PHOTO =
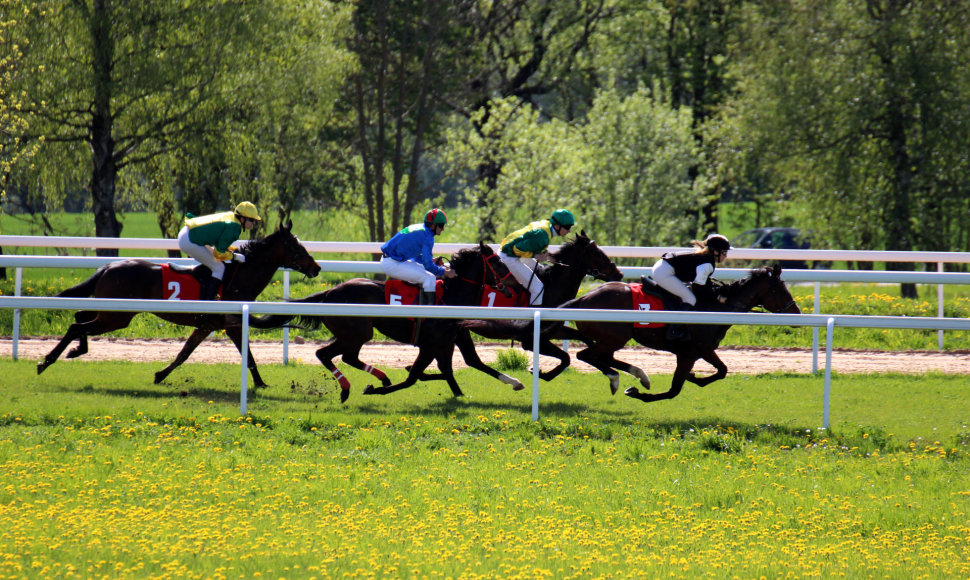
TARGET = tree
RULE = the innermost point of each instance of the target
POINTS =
(861, 109)
(127, 80)
(411, 54)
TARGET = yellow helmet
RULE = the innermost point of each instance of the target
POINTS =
(248, 210)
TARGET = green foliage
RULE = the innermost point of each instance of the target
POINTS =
(511, 359)
(624, 170)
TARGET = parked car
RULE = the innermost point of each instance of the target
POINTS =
(776, 238)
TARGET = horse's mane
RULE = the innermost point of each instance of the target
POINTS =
(566, 251)
(462, 257)
(731, 289)
(257, 245)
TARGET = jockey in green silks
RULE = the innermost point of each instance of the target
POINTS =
(523, 249)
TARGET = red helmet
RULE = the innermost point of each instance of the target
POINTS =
(436, 217)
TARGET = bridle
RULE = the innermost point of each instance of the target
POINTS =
(489, 268)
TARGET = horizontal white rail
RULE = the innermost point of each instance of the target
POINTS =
(368, 267)
(449, 248)
(537, 315)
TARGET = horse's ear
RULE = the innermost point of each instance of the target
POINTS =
(582, 234)
(485, 249)
(776, 271)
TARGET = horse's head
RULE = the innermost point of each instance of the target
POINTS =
(288, 252)
(772, 293)
(583, 253)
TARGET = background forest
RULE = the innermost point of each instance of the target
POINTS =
(850, 118)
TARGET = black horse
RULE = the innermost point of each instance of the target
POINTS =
(571, 263)
(476, 267)
(134, 279)
(763, 287)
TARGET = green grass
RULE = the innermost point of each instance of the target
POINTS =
(126, 479)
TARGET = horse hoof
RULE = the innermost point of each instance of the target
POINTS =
(631, 392)
(345, 394)
(159, 377)
(518, 387)
(41, 367)
(368, 390)
(73, 353)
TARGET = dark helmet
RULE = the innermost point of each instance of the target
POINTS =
(435, 217)
(562, 217)
(717, 243)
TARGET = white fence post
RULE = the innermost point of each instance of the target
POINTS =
(286, 329)
(939, 309)
(244, 382)
(18, 277)
(829, 331)
(818, 294)
(536, 317)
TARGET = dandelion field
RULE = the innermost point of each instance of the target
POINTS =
(103, 474)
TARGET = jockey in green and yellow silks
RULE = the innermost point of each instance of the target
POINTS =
(208, 239)
(523, 249)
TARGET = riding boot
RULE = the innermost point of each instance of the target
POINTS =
(209, 288)
(679, 332)
(424, 299)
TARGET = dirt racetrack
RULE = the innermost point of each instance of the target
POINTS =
(738, 360)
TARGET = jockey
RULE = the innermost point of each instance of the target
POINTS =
(208, 239)
(676, 271)
(407, 255)
(523, 249)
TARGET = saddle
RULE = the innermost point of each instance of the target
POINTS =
(667, 300)
(183, 282)
(401, 293)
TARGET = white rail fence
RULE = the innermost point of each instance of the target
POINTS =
(829, 322)
(940, 278)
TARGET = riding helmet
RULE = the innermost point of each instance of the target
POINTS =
(562, 217)
(717, 243)
(247, 210)
(436, 217)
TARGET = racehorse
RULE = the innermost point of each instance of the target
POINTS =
(571, 263)
(762, 287)
(476, 267)
(134, 279)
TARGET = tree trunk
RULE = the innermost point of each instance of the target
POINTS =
(104, 171)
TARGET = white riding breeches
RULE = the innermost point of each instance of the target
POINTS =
(663, 275)
(201, 253)
(409, 271)
(523, 270)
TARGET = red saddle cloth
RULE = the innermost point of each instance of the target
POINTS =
(178, 285)
(493, 297)
(643, 301)
(399, 292)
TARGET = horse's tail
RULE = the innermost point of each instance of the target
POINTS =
(303, 321)
(84, 289)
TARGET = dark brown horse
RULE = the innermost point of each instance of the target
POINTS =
(138, 279)
(763, 287)
(475, 267)
(571, 263)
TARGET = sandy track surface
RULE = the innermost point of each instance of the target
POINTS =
(738, 360)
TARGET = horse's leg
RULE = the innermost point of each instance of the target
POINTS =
(103, 322)
(599, 360)
(547, 348)
(425, 356)
(235, 335)
(466, 346)
(685, 362)
(195, 339)
(325, 355)
(353, 359)
(719, 367)
(82, 341)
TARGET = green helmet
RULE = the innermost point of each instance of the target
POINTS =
(436, 217)
(562, 217)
